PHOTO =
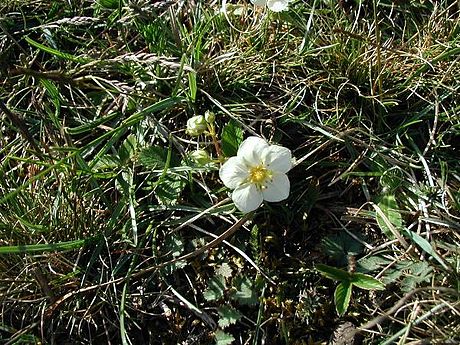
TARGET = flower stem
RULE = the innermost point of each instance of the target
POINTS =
(215, 141)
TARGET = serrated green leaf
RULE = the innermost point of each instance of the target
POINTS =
(232, 137)
(153, 157)
(169, 189)
(228, 316)
(223, 338)
(420, 268)
(342, 297)
(391, 275)
(156, 157)
(415, 272)
(244, 293)
(216, 287)
(371, 263)
(333, 273)
(366, 282)
(389, 207)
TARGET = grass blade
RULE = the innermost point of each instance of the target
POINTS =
(49, 247)
(57, 53)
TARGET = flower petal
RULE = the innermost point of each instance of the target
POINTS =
(277, 158)
(233, 173)
(251, 150)
(277, 5)
(247, 198)
(277, 189)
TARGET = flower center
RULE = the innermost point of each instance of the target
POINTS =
(258, 174)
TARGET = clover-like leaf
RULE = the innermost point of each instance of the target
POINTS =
(216, 287)
(153, 157)
(228, 316)
(223, 338)
(244, 293)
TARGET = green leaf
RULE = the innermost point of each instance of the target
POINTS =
(371, 263)
(426, 246)
(244, 293)
(153, 157)
(216, 287)
(53, 92)
(169, 189)
(223, 338)
(392, 275)
(128, 149)
(333, 273)
(342, 297)
(389, 207)
(232, 137)
(419, 272)
(228, 316)
(366, 282)
(156, 157)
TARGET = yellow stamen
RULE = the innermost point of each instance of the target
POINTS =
(258, 174)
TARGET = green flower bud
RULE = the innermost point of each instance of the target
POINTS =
(209, 116)
(200, 157)
(196, 125)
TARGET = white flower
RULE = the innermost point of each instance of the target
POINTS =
(257, 173)
(273, 5)
(196, 125)
(278, 5)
